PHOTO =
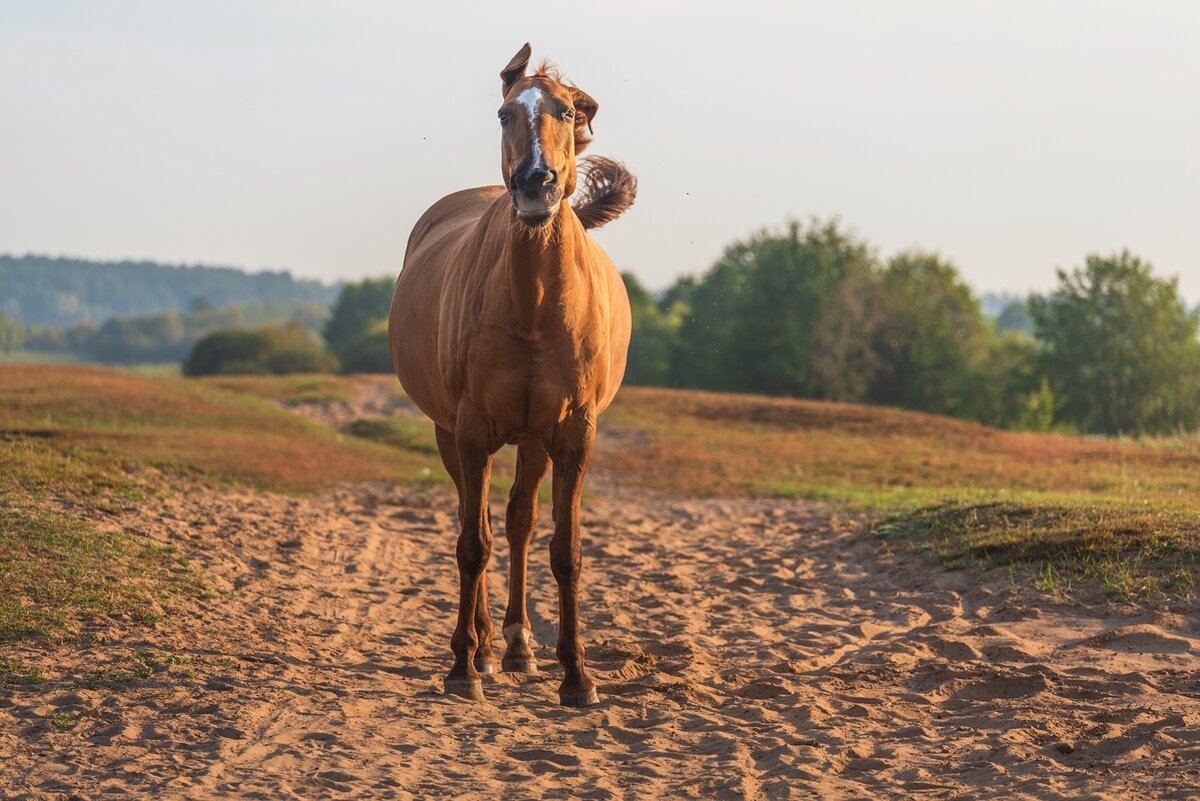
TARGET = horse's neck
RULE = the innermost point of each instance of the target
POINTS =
(541, 271)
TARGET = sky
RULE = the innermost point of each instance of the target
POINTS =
(1010, 137)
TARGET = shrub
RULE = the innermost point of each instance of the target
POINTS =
(267, 350)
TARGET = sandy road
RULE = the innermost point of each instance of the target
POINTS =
(754, 649)
(745, 649)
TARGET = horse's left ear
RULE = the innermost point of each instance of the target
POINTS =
(585, 112)
(515, 69)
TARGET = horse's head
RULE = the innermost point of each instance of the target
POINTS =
(545, 123)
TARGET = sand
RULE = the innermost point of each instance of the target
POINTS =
(748, 649)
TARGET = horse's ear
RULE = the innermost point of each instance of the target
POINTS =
(585, 112)
(515, 69)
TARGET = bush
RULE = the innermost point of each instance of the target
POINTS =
(276, 350)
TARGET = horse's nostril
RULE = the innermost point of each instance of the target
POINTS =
(539, 177)
(534, 180)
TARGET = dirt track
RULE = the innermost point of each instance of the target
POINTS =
(744, 649)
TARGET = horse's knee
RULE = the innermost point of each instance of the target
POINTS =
(465, 639)
(473, 551)
(565, 561)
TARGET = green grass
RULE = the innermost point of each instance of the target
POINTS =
(37, 357)
(15, 672)
(57, 570)
(1132, 553)
(407, 433)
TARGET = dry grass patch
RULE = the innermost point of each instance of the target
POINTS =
(191, 427)
(80, 446)
(717, 444)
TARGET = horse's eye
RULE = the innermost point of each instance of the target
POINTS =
(503, 117)
(569, 114)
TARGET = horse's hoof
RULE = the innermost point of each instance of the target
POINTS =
(519, 665)
(471, 689)
(487, 667)
(590, 698)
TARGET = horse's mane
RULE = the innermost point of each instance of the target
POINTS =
(605, 190)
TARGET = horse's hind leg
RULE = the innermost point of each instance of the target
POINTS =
(484, 659)
(520, 520)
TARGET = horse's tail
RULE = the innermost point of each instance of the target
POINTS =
(606, 189)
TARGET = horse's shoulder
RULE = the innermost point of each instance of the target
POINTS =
(456, 208)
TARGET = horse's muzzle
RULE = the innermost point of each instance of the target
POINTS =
(539, 209)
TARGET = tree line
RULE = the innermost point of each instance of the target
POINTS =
(57, 292)
(810, 311)
(807, 311)
(150, 338)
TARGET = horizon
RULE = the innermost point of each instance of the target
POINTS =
(272, 136)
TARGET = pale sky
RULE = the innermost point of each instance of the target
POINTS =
(1012, 137)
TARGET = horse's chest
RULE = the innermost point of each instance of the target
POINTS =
(527, 384)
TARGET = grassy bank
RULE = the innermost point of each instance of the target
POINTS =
(1066, 510)
(81, 446)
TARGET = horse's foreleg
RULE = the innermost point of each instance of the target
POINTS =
(474, 549)
(572, 451)
(520, 519)
(485, 661)
(485, 658)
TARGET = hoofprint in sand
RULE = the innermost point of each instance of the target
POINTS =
(744, 649)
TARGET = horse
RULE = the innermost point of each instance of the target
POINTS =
(510, 325)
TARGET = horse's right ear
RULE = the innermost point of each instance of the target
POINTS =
(515, 69)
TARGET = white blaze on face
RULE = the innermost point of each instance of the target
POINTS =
(531, 99)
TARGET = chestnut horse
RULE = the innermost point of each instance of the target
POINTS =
(509, 324)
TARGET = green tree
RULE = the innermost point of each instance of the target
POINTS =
(707, 356)
(1120, 348)
(765, 317)
(655, 336)
(932, 339)
(352, 331)
(1010, 390)
(369, 353)
(131, 340)
(1015, 317)
(844, 360)
(12, 333)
